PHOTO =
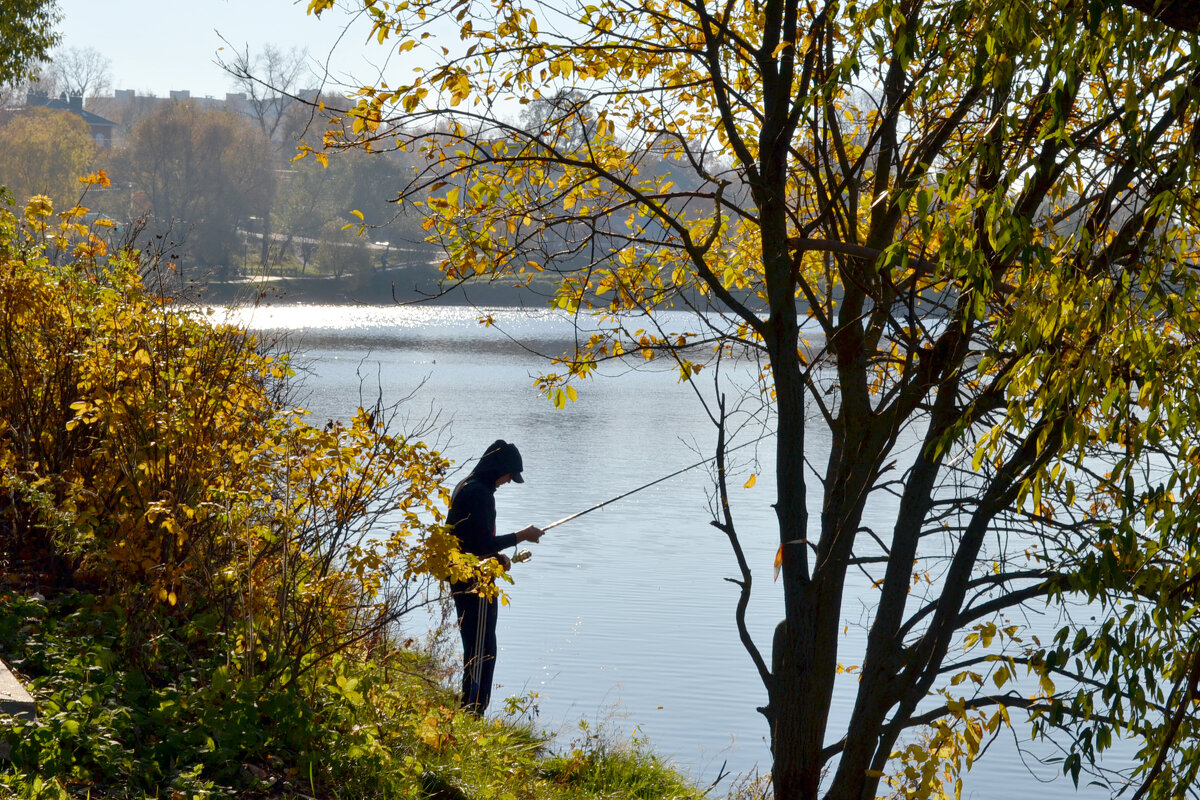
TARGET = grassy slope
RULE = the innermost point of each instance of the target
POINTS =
(176, 722)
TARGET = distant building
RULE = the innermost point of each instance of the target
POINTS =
(124, 108)
(101, 129)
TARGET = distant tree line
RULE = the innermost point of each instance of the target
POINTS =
(215, 185)
(211, 184)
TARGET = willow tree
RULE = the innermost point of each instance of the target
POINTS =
(965, 225)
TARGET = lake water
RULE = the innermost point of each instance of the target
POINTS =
(623, 618)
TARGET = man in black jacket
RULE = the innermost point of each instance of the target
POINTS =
(473, 517)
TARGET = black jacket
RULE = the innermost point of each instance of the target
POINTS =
(473, 516)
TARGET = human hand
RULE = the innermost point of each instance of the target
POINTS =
(531, 533)
(505, 561)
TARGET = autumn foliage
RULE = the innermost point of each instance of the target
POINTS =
(218, 580)
(45, 151)
(955, 245)
(152, 453)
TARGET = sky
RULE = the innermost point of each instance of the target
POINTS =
(157, 46)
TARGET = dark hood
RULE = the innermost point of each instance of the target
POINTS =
(500, 458)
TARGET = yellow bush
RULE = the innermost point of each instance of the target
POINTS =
(154, 449)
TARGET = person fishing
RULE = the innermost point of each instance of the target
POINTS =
(473, 518)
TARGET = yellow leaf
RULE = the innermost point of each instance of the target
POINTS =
(97, 178)
(753, 480)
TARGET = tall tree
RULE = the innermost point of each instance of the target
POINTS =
(201, 174)
(26, 35)
(83, 72)
(318, 201)
(45, 152)
(271, 80)
(962, 239)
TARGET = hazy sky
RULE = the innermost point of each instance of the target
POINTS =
(159, 45)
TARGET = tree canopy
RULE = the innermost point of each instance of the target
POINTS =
(27, 31)
(46, 152)
(82, 72)
(960, 239)
(200, 173)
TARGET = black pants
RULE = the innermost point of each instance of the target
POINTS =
(477, 624)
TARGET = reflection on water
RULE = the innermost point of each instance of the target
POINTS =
(624, 614)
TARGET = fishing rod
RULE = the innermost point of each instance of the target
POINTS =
(525, 555)
(654, 482)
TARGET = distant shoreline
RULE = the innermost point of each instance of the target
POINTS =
(379, 288)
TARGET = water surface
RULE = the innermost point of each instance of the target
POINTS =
(623, 618)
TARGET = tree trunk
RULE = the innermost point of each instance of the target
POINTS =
(266, 237)
(803, 661)
(796, 731)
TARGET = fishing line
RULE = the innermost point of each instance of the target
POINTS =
(654, 482)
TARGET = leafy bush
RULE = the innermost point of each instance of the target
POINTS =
(223, 577)
(104, 723)
(151, 454)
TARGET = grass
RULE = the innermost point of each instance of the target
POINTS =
(183, 723)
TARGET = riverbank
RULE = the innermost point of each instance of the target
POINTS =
(409, 283)
(180, 723)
